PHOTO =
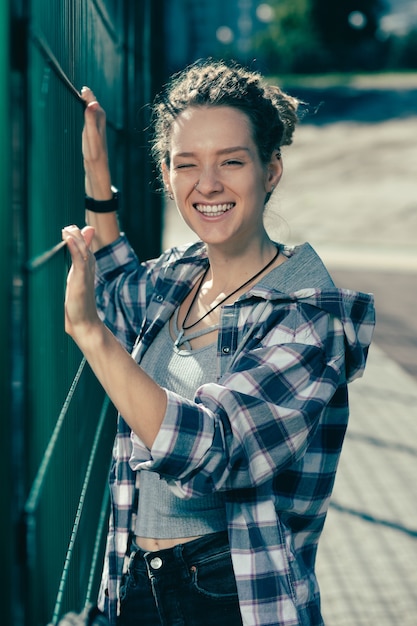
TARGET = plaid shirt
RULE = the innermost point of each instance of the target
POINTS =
(268, 432)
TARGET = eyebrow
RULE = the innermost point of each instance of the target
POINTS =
(223, 151)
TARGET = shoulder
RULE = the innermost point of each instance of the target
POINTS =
(303, 269)
(186, 253)
(178, 264)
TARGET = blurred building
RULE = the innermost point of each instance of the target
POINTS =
(200, 28)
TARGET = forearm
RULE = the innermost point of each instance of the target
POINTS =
(137, 397)
(140, 401)
(97, 171)
(106, 228)
(106, 225)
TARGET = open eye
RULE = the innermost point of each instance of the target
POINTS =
(233, 162)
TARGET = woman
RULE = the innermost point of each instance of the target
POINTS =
(234, 404)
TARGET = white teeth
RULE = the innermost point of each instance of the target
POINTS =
(214, 209)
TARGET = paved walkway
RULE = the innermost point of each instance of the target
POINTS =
(349, 189)
(367, 562)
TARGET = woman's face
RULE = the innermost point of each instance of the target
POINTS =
(216, 176)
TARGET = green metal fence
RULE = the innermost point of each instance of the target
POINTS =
(7, 545)
(56, 448)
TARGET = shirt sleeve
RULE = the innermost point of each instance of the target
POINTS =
(256, 423)
(121, 290)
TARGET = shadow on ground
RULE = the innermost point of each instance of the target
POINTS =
(335, 104)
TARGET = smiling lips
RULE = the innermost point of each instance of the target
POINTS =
(213, 210)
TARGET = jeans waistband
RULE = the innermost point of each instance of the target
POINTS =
(188, 551)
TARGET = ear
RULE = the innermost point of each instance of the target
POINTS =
(165, 176)
(274, 171)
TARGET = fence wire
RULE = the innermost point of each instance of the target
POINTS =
(63, 425)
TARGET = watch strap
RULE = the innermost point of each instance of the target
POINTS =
(103, 206)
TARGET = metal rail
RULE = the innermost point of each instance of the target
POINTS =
(87, 477)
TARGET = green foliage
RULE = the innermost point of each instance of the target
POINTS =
(309, 36)
(401, 52)
(350, 43)
(290, 44)
(332, 20)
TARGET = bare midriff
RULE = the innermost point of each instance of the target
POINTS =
(149, 544)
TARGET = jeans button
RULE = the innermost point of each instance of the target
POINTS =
(156, 562)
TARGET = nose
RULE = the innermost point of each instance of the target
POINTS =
(209, 182)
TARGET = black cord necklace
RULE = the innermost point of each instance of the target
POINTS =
(184, 327)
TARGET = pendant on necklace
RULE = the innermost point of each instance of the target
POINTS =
(179, 338)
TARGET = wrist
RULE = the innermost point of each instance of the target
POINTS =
(105, 205)
(89, 336)
(98, 183)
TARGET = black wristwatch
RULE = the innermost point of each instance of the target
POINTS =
(103, 206)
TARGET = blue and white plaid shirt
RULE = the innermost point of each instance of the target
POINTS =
(268, 432)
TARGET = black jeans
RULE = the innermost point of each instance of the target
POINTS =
(191, 584)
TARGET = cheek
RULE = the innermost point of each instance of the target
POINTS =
(182, 183)
(257, 186)
(176, 184)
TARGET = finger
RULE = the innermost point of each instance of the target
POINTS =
(94, 118)
(73, 231)
(87, 95)
(88, 234)
(94, 115)
(77, 253)
(76, 243)
(91, 101)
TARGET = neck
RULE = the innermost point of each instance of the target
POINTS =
(227, 269)
(224, 298)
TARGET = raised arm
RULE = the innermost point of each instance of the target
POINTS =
(138, 398)
(141, 401)
(97, 172)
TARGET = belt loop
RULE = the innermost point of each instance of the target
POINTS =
(134, 549)
(131, 559)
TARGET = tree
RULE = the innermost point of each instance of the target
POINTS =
(290, 43)
(347, 29)
(321, 35)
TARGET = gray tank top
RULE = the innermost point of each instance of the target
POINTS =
(161, 514)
